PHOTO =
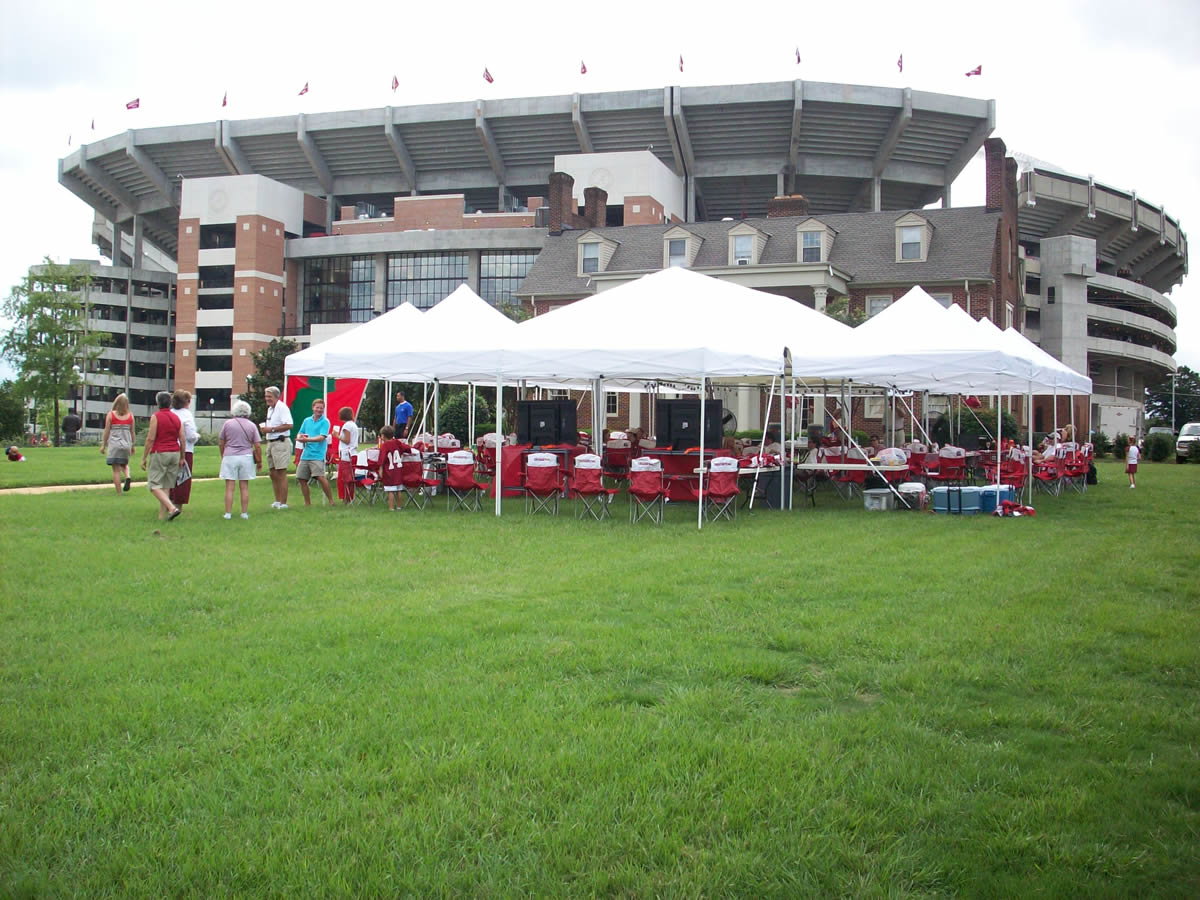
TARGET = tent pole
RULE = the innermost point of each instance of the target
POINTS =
(498, 478)
(436, 433)
(700, 493)
(762, 442)
(1029, 455)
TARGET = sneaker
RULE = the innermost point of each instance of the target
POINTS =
(227, 516)
(1132, 486)
(128, 481)
(281, 506)
(275, 505)
(245, 515)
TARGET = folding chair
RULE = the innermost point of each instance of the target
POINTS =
(1075, 467)
(1048, 474)
(854, 479)
(543, 483)
(448, 443)
(618, 452)
(366, 476)
(462, 490)
(413, 482)
(587, 488)
(721, 492)
(833, 456)
(647, 490)
(951, 467)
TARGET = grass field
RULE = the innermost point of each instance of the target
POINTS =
(85, 465)
(827, 702)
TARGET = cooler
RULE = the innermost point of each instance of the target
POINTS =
(879, 499)
(956, 500)
(988, 501)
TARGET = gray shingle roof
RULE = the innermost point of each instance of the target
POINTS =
(864, 248)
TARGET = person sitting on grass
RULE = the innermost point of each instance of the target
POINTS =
(14, 454)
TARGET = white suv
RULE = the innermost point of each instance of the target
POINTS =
(1188, 435)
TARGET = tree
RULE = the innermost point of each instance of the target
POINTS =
(840, 311)
(1187, 399)
(12, 412)
(49, 337)
(268, 371)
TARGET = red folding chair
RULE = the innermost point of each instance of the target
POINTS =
(366, 476)
(587, 488)
(413, 482)
(462, 490)
(647, 490)
(721, 491)
(851, 480)
(1048, 474)
(543, 483)
(951, 466)
(618, 453)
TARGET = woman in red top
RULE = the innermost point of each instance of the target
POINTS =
(165, 451)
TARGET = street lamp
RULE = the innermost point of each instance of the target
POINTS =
(211, 402)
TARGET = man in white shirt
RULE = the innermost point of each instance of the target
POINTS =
(277, 431)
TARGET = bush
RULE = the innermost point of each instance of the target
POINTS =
(1101, 443)
(1194, 452)
(1159, 447)
(452, 415)
(754, 433)
(988, 419)
(1119, 445)
(482, 428)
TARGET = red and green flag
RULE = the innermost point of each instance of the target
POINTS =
(302, 390)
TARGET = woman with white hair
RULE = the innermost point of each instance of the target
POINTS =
(241, 456)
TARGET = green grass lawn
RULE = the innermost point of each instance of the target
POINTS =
(824, 702)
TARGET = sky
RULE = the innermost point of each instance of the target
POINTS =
(1102, 87)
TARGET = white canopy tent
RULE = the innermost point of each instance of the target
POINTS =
(388, 327)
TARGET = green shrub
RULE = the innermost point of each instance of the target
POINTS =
(1159, 447)
(983, 423)
(1119, 445)
(754, 433)
(482, 428)
(1101, 443)
(452, 414)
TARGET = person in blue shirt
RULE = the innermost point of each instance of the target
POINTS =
(404, 411)
(314, 438)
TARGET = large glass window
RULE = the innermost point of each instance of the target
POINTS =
(327, 290)
(501, 273)
(362, 288)
(810, 249)
(423, 279)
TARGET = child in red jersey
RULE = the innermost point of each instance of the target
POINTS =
(390, 451)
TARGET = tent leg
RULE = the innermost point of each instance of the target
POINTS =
(498, 479)
(700, 493)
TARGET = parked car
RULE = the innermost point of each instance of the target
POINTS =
(1188, 435)
(1161, 429)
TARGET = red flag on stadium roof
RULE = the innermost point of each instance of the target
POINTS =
(487, 76)
(978, 70)
(395, 83)
(134, 103)
(900, 63)
(303, 90)
(225, 99)
(582, 67)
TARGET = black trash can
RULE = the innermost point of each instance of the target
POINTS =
(768, 484)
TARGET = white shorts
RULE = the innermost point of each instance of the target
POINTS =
(391, 488)
(237, 468)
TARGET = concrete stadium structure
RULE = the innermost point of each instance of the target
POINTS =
(400, 203)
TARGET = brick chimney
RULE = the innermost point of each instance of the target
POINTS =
(562, 205)
(790, 205)
(995, 170)
(595, 206)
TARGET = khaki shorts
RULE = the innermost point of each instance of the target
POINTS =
(279, 453)
(308, 469)
(162, 470)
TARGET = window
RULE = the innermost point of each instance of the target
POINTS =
(611, 400)
(910, 242)
(362, 288)
(876, 305)
(743, 249)
(1008, 315)
(873, 408)
(677, 252)
(810, 246)
(423, 279)
(558, 394)
(501, 273)
(591, 257)
(945, 299)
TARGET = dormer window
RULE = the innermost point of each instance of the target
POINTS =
(746, 245)
(913, 233)
(680, 247)
(677, 252)
(814, 241)
(594, 252)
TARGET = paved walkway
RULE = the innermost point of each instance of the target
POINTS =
(60, 488)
